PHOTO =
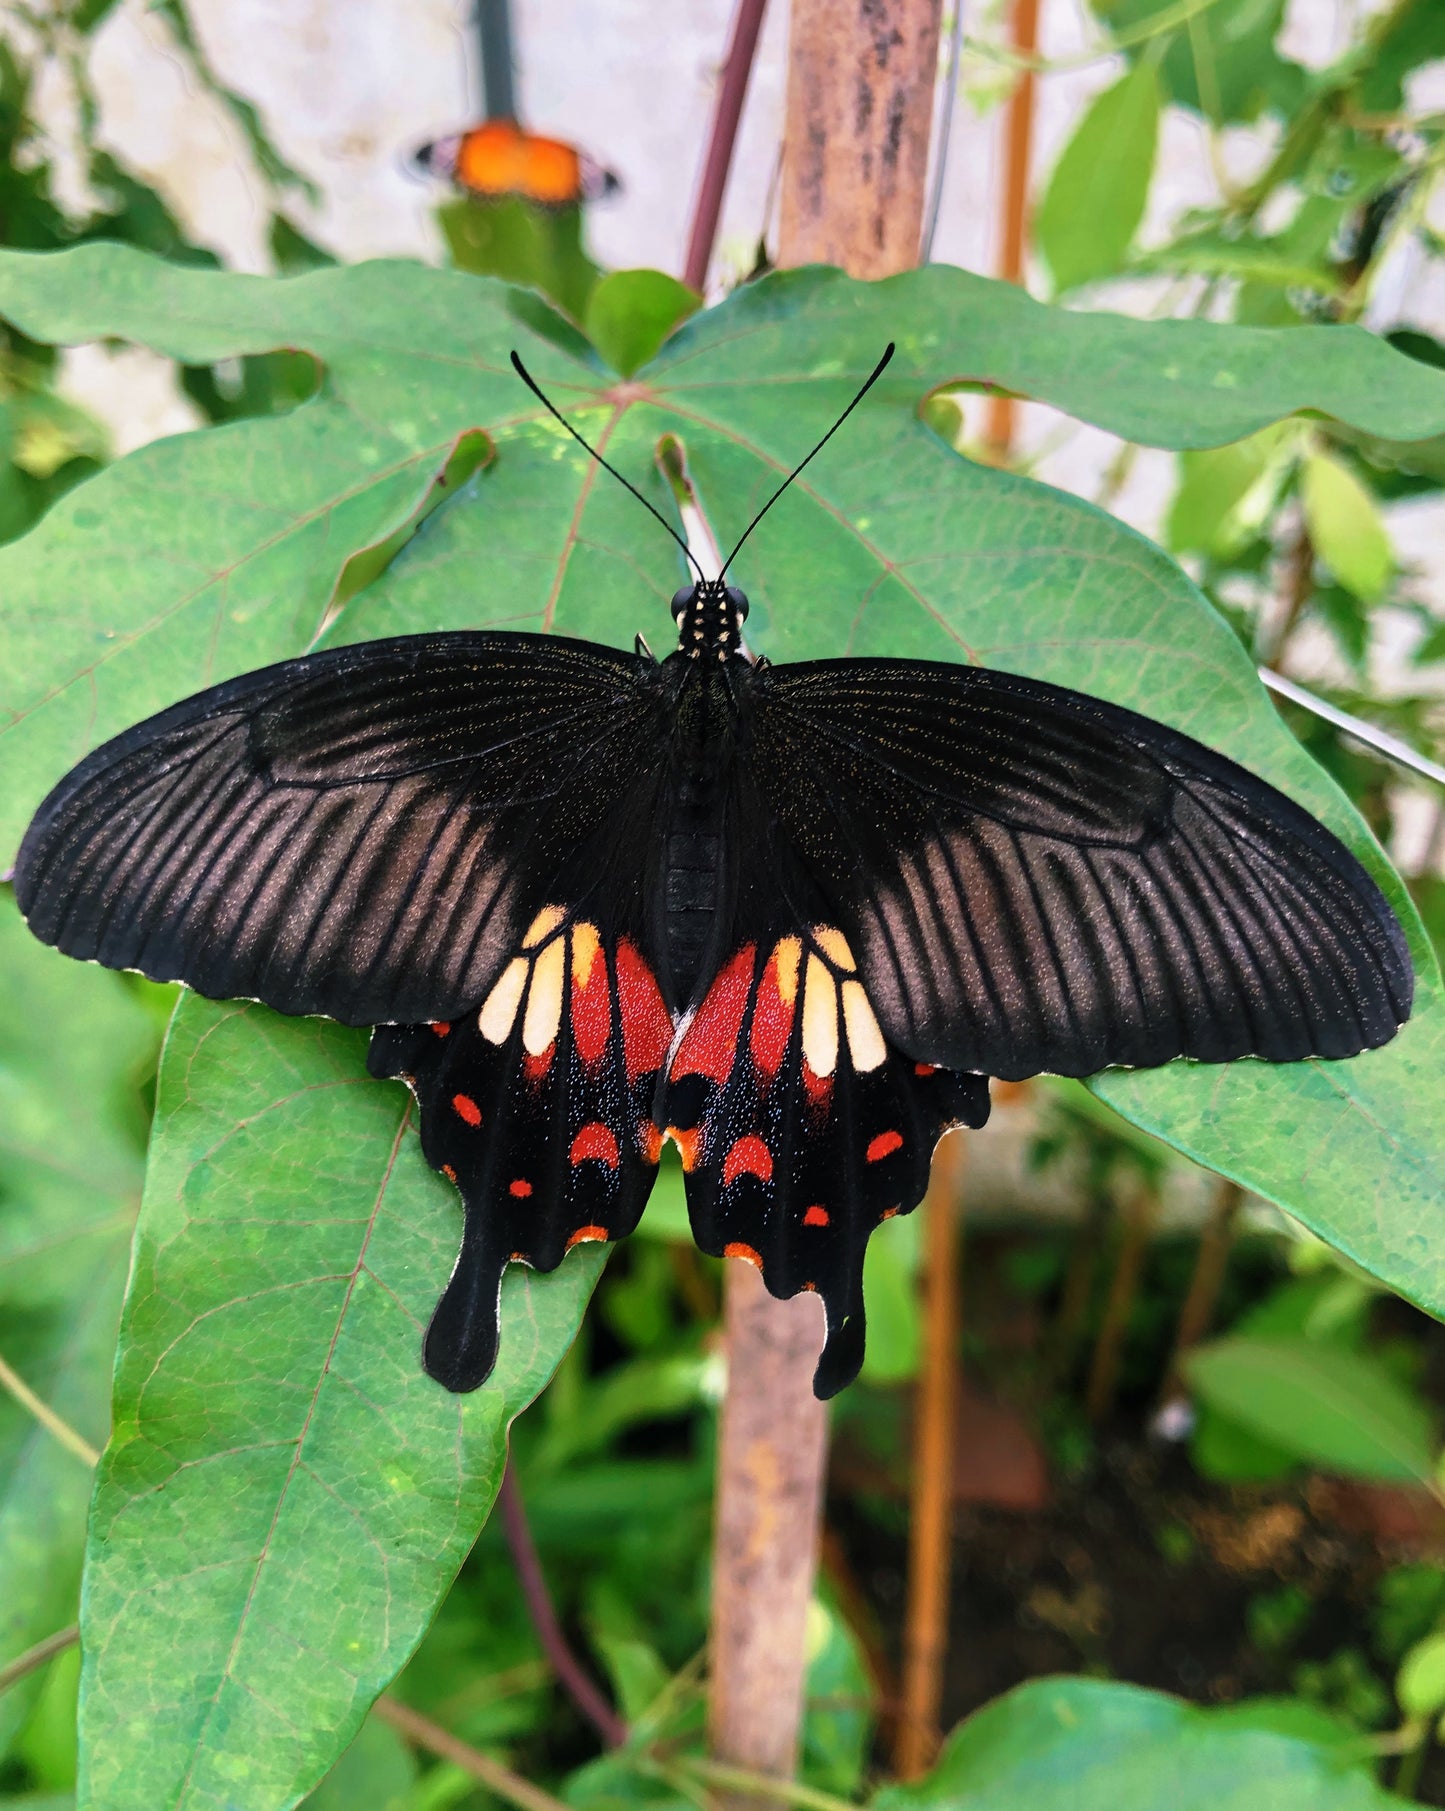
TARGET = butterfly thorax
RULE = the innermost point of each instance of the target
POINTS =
(709, 617)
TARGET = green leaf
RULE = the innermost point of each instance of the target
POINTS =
(286, 1496)
(1220, 60)
(1095, 198)
(631, 313)
(890, 1288)
(376, 1773)
(1226, 493)
(1090, 1745)
(1330, 1407)
(1345, 526)
(523, 243)
(72, 1057)
(1420, 1686)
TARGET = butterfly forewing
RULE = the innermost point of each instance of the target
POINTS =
(364, 832)
(1037, 881)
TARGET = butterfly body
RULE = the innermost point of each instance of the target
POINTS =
(789, 918)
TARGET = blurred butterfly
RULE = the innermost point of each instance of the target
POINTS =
(500, 158)
(789, 917)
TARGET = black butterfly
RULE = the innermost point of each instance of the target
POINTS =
(790, 917)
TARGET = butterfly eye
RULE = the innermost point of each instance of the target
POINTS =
(739, 601)
(681, 598)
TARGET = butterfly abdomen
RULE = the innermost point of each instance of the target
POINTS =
(693, 846)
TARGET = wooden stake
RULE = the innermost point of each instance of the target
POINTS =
(1210, 1264)
(1013, 224)
(1139, 1216)
(860, 107)
(930, 1551)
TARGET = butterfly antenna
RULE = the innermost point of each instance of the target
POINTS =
(553, 410)
(872, 379)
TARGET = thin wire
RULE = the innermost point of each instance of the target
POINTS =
(557, 414)
(877, 372)
(950, 96)
(1391, 747)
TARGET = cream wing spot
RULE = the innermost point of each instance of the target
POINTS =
(585, 947)
(542, 926)
(544, 1000)
(788, 954)
(834, 946)
(499, 1009)
(820, 1018)
(865, 1039)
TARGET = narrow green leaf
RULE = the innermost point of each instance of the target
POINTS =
(631, 312)
(376, 1773)
(1420, 1686)
(1345, 526)
(72, 1057)
(1095, 198)
(1091, 1745)
(286, 1496)
(1330, 1407)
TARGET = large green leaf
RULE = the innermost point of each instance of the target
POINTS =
(1091, 1745)
(74, 1048)
(1091, 209)
(286, 1496)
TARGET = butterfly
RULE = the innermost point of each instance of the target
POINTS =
(499, 157)
(790, 918)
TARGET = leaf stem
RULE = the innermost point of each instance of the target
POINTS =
(34, 1658)
(441, 1742)
(760, 1785)
(571, 1674)
(12, 1381)
(727, 112)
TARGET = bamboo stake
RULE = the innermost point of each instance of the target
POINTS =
(999, 427)
(859, 111)
(1139, 1217)
(930, 1551)
(1210, 1264)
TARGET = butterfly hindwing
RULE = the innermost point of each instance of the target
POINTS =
(537, 1105)
(800, 1129)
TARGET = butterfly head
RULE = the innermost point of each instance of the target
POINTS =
(709, 617)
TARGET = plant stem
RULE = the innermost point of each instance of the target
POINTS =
(571, 1674)
(1210, 1264)
(738, 1780)
(1299, 584)
(34, 1658)
(1139, 1217)
(930, 1530)
(441, 1742)
(13, 1382)
(859, 112)
(727, 111)
(999, 427)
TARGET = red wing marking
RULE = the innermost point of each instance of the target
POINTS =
(748, 1157)
(588, 1235)
(710, 1046)
(467, 1109)
(888, 1213)
(646, 1022)
(649, 1141)
(591, 996)
(449, 1172)
(536, 1067)
(925, 1068)
(884, 1145)
(520, 1188)
(818, 1088)
(816, 1216)
(776, 1002)
(441, 1027)
(595, 1140)
(738, 1250)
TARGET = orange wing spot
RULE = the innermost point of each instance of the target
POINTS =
(925, 1068)
(518, 1257)
(646, 1022)
(649, 1141)
(467, 1109)
(884, 1145)
(738, 1250)
(888, 1213)
(816, 1216)
(588, 1235)
(499, 158)
(688, 1142)
(748, 1157)
(595, 1140)
(449, 1172)
(442, 1027)
(710, 1047)
(520, 1188)
(810, 1288)
(535, 1067)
